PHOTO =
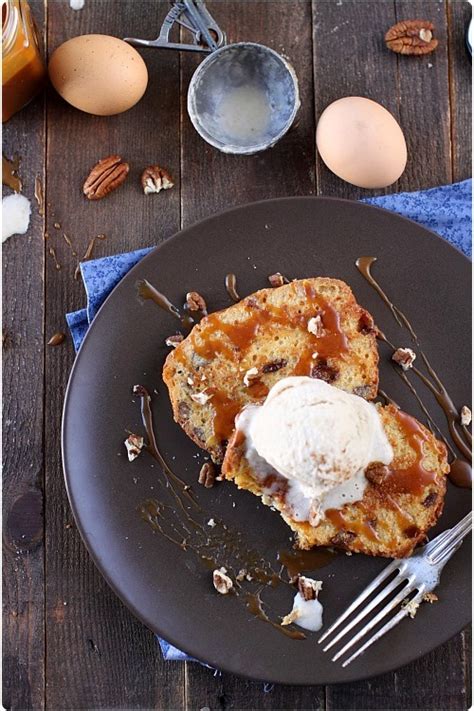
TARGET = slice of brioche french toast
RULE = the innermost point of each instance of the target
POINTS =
(400, 503)
(233, 357)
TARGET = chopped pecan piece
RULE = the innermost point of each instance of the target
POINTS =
(222, 583)
(377, 473)
(274, 365)
(195, 302)
(430, 597)
(134, 445)
(155, 179)
(290, 617)
(308, 588)
(405, 357)
(201, 398)
(411, 37)
(466, 416)
(410, 607)
(174, 340)
(315, 326)
(107, 175)
(207, 475)
(278, 279)
(323, 371)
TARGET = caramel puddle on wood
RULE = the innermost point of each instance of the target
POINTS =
(39, 197)
(186, 526)
(89, 253)
(52, 252)
(57, 338)
(461, 471)
(10, 176)
(69, 244)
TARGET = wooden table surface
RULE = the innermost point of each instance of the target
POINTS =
(68, 641)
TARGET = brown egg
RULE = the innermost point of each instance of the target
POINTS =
(98, 74)
(361, 142)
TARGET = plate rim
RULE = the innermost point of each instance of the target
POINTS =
(67, 398)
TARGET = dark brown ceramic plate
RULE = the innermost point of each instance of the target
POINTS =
(167, 588)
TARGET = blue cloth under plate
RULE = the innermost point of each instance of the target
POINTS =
(445, 210)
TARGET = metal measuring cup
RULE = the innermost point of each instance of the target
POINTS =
(243, 97)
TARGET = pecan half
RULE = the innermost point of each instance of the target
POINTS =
(155, 179)
(107, 175)
(274, 365)
(195, 302)
(405, 357)
(411, 37)
(207, 475)
(222, 583)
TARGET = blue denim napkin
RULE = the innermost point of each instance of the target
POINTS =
(445, 210)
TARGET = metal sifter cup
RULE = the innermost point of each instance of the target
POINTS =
(243, 97)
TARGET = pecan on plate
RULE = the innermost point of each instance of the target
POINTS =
(174, 340)
(207, 475)
(466, 416)
(222, 583)
(195, 302)
(404, 357)
(411, 37)
(155, 179)
(308, 588)
(278, 279)
(107, 175)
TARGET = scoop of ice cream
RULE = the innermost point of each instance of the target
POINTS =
(317, 435)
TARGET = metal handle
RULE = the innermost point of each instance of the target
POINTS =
(194, 17)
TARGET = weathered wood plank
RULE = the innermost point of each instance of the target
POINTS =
(460, 83)
(213, 181)
(424, 102)
(98, 654)
(23, 472)
(218, 692)
(350, 59)
(434, 682)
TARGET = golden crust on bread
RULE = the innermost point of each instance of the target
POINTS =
(400, 503)
(233, 357)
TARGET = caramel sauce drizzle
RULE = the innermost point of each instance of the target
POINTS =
(461, 473)
(299, 561)
(215, 547)
(52, 252)
(239, 336)
(10, 169)
(89, 253)
(255, 606)
(231, 287)
(147, 291)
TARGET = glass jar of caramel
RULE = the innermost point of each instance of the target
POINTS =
(23, 70)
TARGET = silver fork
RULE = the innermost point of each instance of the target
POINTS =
(419, 573)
